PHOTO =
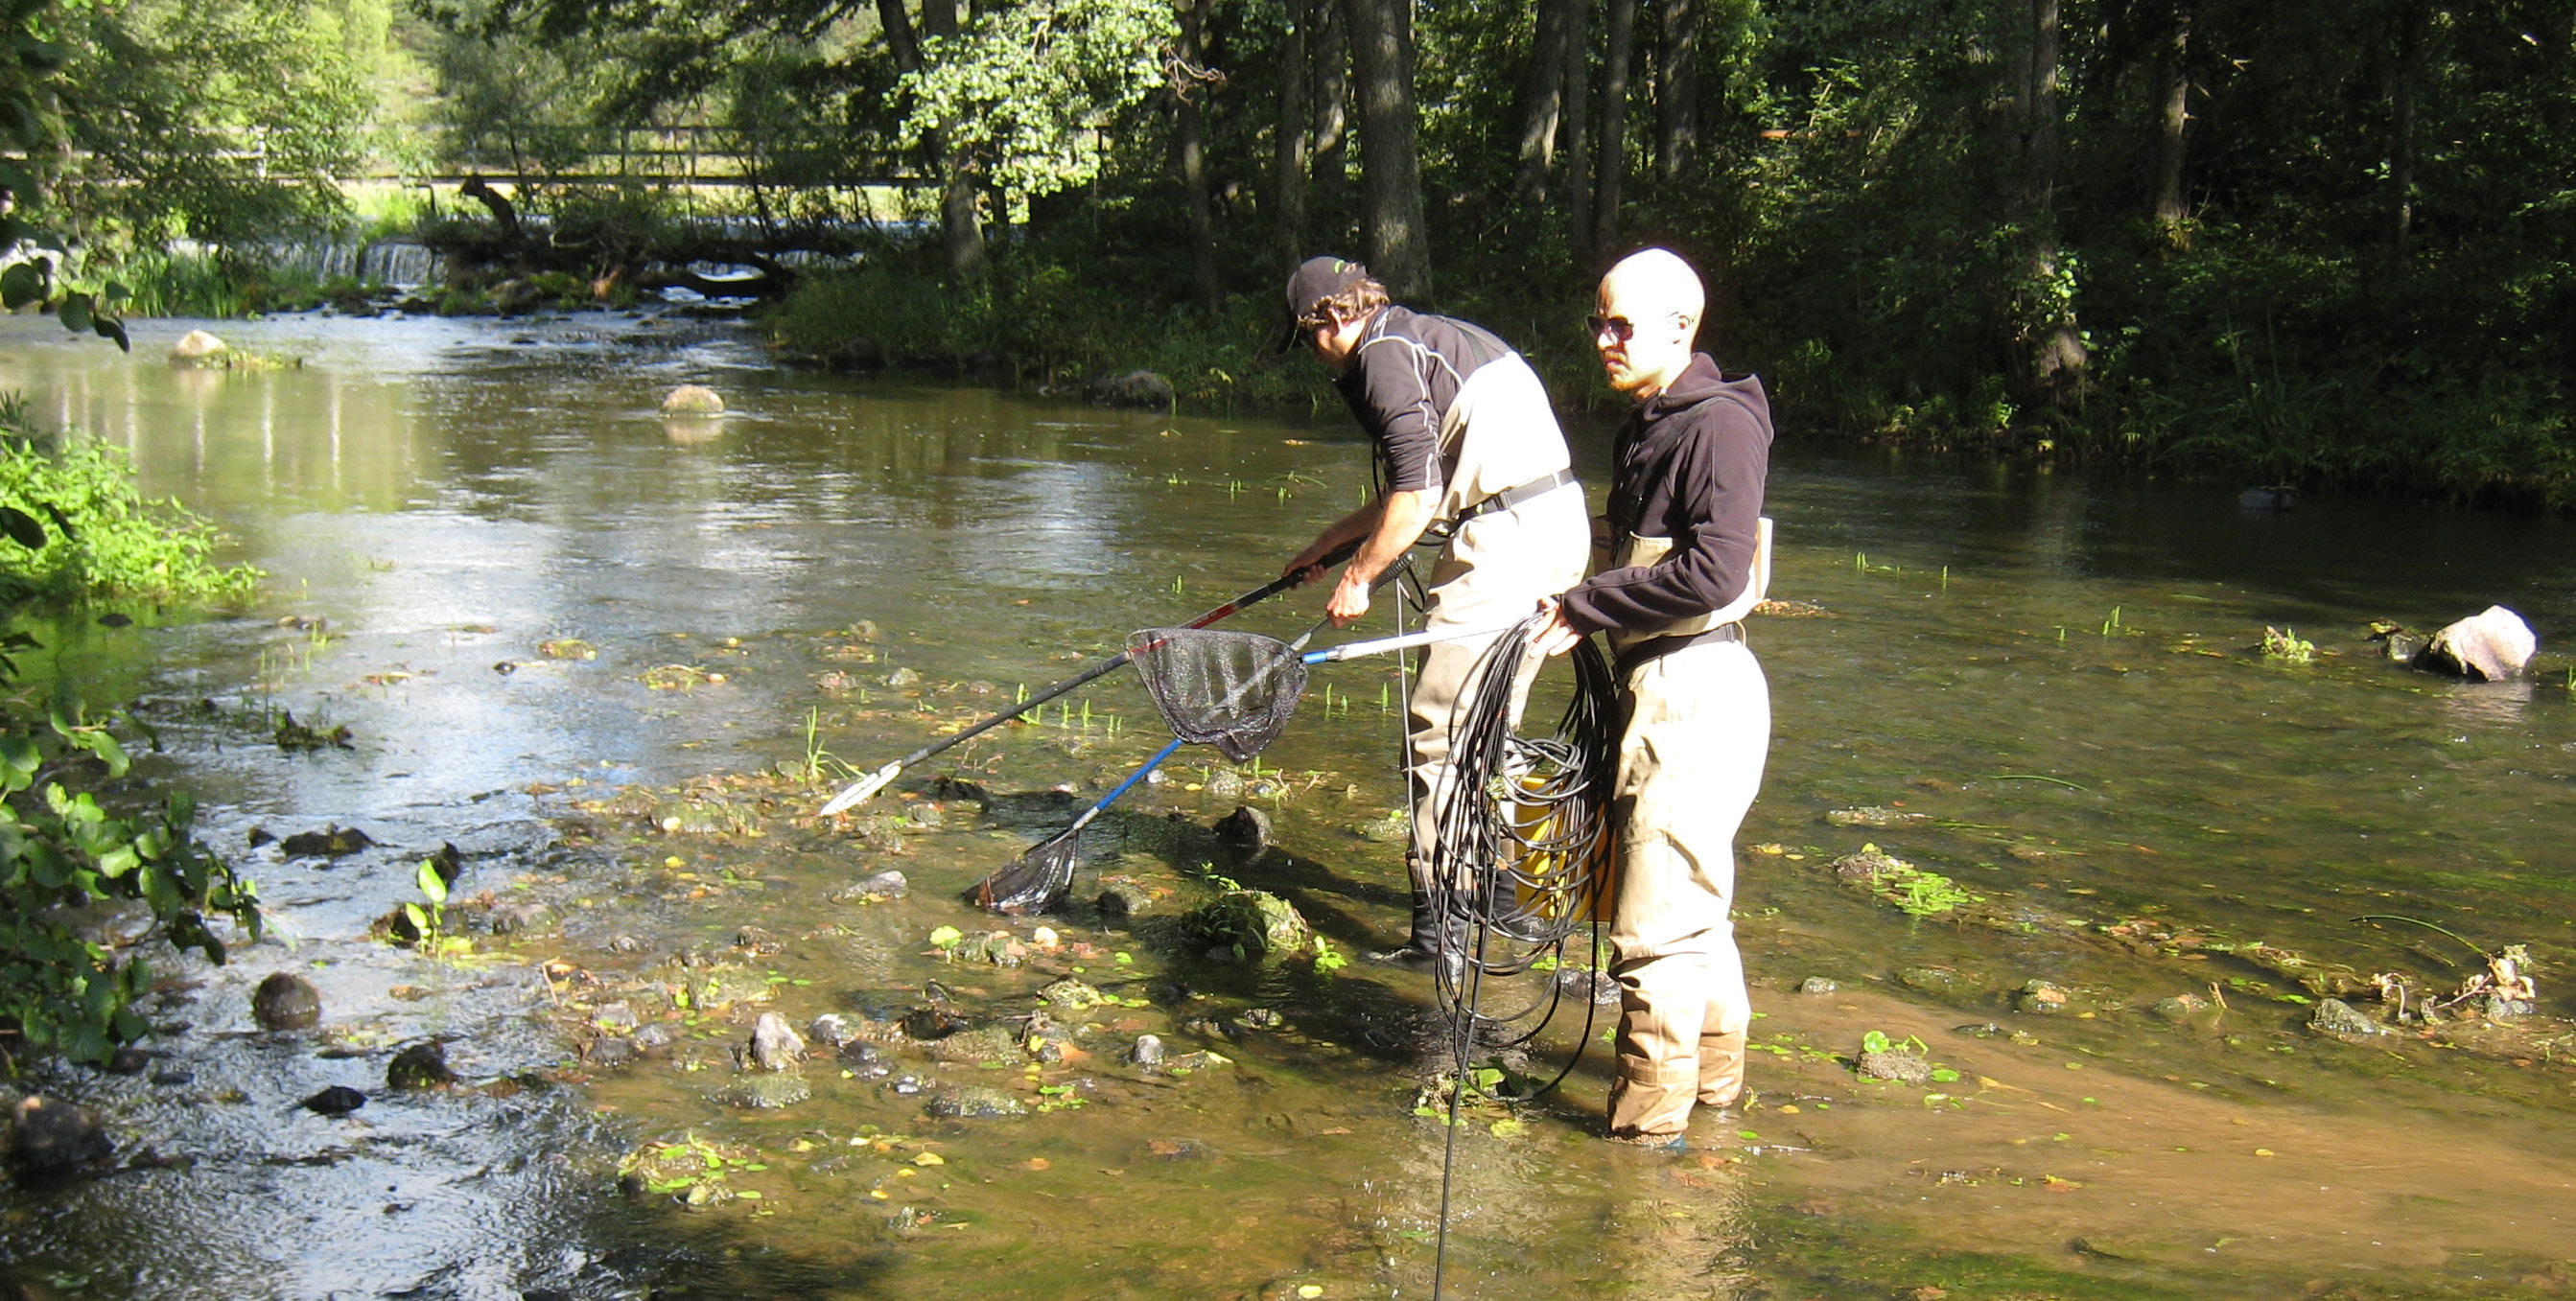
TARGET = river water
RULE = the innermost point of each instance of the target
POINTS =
(2043, 684)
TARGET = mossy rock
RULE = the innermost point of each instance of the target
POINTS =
(1256, 922)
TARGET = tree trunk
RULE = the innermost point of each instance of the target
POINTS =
(1190, 141)
(1331, 167)
(1676, 87)
(1542, 100)
(1617, 55)
(1578, 128)
(960, 230)
(2173, 114)
(1288, 153)
(2402, 94)
(1390, 162)
(2058, 357)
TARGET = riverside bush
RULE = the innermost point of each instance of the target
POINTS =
(96, 536)
(85, 890)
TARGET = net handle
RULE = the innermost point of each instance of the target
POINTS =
(1383, 645)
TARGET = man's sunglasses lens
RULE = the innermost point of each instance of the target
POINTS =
(1617, 327)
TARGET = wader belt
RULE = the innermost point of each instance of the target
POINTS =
(1510, 497)
(1646, 651)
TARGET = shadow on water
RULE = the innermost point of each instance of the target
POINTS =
(581, 650)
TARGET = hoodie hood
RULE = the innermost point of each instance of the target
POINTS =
(1700, 381)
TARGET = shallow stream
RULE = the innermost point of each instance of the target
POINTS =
(618, 660)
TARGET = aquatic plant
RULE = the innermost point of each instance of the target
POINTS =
(2286, 647)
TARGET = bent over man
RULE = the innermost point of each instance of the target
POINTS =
(1465, 441)
(1688, 561)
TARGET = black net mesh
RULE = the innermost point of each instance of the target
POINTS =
(1231, 690)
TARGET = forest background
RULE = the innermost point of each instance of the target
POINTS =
(2295, 242)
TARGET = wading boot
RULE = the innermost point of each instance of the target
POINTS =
(1434, 939)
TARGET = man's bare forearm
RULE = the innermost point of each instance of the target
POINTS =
(1401, 518)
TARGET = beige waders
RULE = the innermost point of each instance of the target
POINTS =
(1690, 760)
(1498, 435)
(1689, 764)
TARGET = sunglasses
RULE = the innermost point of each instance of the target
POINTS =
(1619, 327)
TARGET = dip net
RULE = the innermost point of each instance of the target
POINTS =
(1231, 690)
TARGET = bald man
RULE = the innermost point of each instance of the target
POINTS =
(1688, 556)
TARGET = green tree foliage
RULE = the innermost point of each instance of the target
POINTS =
(1030, 90)
(225, 121)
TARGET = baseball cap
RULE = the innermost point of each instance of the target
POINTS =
(1314, 280)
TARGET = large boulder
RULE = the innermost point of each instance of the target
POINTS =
(1136, 388)
(2489, 646)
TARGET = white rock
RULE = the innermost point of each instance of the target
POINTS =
(2491, 645)
(693, 400)
(196, 345)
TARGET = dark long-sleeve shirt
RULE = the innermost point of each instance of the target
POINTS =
(1688, 465)
(1407, 370)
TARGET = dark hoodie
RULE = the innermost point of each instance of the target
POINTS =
(1688, 465)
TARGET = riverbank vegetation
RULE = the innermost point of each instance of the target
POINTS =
(2181, 235)
(88, 891)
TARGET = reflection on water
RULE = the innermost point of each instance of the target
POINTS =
(2054, 671)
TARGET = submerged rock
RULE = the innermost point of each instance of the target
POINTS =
(693, 400)
(765, 1092)
(1818, 985)
(420, 1066)
(338, 1100)
(1255, 922)
(889, 884)
(1136, 388)
(775, 1046)
(2180, 1007)
(974, 1102)
(992, 1043)
(1874, 816)
(1929, 980)
(1246, 828)
(1579, 983)
(865, 1060)
(2489, 646)
(332, 841)
(2040, 998)
(1148, 1051)
(832, 1030)
(47, 1136)
(1901, 1067)
(286, 1001)
(2337, 1019)
(1070, 994)
(1122, 902)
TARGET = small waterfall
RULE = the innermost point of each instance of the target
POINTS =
(393, 263)
(400, 263)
